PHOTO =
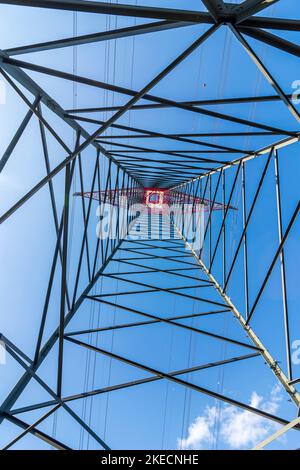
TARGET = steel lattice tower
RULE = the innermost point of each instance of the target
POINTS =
(162, 281)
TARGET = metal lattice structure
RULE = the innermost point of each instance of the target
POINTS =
(225, 277)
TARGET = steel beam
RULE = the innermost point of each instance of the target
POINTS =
(272, 40)
(215, 7)
(215, 102)
(151, 12)
(30, 370)
(35, 432)
(283, 271)
(63, 277)
(141, 323)
(174, 323)
(116, 9)
(32, 428)
(178, 153)
(247, 221)
(5, 157)
(157, 134)
(25, 379)
(272, 23)
(274, 260)
(273, 82)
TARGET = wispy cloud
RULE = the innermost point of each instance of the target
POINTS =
(238, 429)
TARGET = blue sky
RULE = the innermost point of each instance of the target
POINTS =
(154, 415)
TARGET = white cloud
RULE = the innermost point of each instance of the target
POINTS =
(239, 429)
